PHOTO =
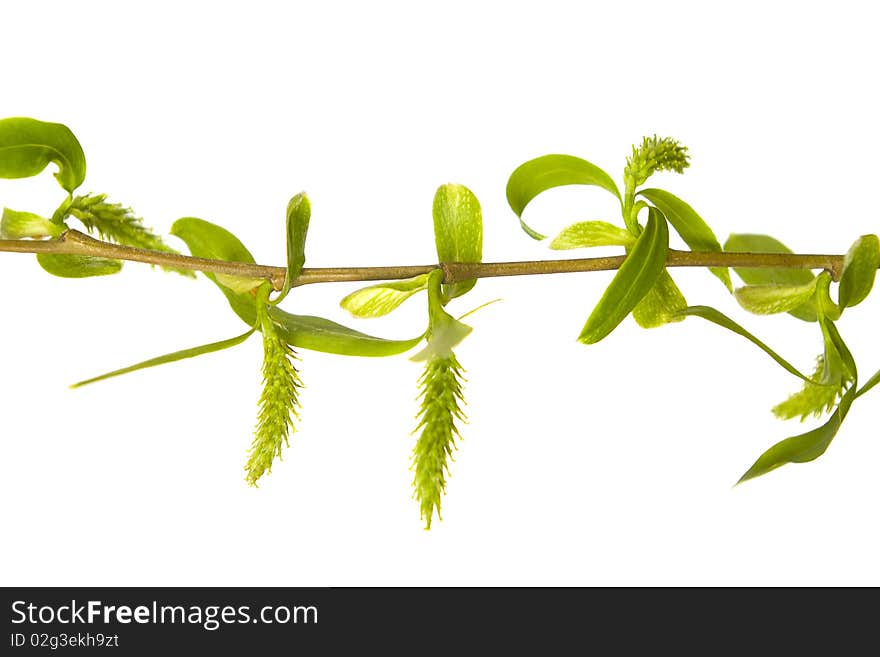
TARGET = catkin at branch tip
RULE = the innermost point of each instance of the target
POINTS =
(441, 399)
(656, 154)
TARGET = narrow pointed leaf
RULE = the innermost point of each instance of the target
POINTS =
(691, 226)
(458, 231)
(716, 317)
(661, 304)
(636, 276)
(859, 271)
(381, 299)
(77, 266)
(772, 299)
(28, 146)
(801, 448)
(869, 384)
(592, 233)
(750, 243)
(319, 334)
(546, 172)
(207, 240)
(171, 358)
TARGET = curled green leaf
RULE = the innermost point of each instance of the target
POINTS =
(636, 276)
(28, 146)
(543, 173)
(77, 266)
(772, 299)
(750, 243)
(381, 299)
(687, 223)
(170, 358)
(859, 270)
(592, 233)
(458, 231)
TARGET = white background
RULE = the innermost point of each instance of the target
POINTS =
(602, 465)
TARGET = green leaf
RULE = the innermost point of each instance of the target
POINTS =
(319, 334)
(381, 299)
(299, 212)
(812, 444)
(772, 299)
(207, 240)
(543, 173)
(716, 317)
(77, 266)
(687, 223)
(458, 231)
(592, 233)
(27, 146)
(749, 243)
(171, 358)
(16, 225)
(661, 304)
(859, 270)
(636, 276)
(444, 330)
(801, 448)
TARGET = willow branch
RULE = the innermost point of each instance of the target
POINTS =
(73, 242)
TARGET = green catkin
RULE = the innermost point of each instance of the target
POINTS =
(441, 399)
(278, 403)
(112, 221)
(812, 399)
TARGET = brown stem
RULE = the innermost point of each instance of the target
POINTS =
(73, 242)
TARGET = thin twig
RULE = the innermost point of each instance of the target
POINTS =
(73, 242)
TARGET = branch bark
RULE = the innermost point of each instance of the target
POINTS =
(73, 242)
